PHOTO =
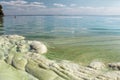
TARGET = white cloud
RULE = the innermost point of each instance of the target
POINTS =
(22, 6)
(85, 11)
(37, 3)
(13, 3)
(59, 5)
(100, 10)
(22, 3)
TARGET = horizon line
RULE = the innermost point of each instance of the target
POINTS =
(54, 15)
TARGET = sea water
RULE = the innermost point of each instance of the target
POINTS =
(83, 36)
(62, 25)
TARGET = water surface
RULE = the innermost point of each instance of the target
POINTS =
(76, 38)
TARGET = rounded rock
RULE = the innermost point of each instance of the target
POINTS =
(97, 65)
(38, 47)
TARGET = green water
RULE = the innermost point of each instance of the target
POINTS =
(85, 49)
(81, 39)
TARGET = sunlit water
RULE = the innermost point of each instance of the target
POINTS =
(83, 34)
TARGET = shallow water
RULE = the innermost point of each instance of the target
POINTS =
(76, 38)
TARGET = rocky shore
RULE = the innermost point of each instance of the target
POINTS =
(22, 59)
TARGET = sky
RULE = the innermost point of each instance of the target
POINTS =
(61, 7)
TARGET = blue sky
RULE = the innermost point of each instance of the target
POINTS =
(61, 7)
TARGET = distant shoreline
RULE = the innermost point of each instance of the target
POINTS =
(67, 15)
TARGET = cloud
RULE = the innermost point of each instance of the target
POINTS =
(13, 3)
(100, 10)
(22, 3)
(37, 3)
(85, 11)
(59, 5)
(34, 8)
(21, 7)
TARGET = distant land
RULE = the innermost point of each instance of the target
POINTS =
(58, 15)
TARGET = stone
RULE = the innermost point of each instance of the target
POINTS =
(97, 65)
(9, 58)
(114, 66)
(111, 75)
(23, 46)
(38, 47)
(19, 61)
(7, 72)
(2, 54)
(42, 74)
(15, 37)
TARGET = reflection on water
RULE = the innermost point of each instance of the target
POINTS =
(1, 21)
(1, 25)
(1, 16)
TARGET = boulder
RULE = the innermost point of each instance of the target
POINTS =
(114, 66)
(38, 47)
(97, 65)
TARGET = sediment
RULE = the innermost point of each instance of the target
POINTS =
(22, 59)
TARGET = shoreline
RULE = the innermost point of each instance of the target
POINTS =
(27, 59)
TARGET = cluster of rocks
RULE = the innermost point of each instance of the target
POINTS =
(22, 59)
